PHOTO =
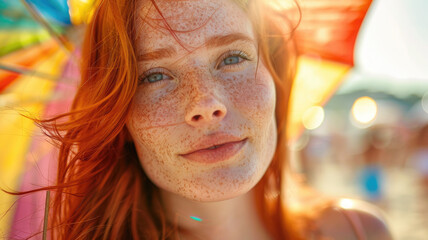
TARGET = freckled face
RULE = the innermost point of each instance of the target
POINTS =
(207, 87)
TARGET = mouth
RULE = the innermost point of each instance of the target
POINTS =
(216, 152)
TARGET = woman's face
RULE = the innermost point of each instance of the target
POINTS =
(202, 118)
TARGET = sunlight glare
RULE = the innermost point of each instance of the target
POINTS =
(364, 110)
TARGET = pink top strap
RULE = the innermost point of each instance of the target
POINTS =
(355, 222)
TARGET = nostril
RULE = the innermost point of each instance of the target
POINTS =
(217, 113)
(196, 117)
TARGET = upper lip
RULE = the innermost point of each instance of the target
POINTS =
(213, 140)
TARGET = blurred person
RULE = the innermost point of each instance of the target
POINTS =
(374, 159)
(314, 153)
(372, 174)
(177, 130)
(419, 155)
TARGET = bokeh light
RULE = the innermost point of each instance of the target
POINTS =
(364, 110)
(313, 117)
(346, 203)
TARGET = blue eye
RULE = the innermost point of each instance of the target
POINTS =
(155, 77)
(231, 60)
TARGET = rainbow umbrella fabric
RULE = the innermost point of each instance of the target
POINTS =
(38, 75)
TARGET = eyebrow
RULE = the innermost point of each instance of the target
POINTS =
(213, 42)
(157, 54)
(221, 40)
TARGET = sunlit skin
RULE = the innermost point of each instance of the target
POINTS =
(210, 82)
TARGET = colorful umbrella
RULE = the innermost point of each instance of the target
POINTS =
(37, 67)
(326, 38)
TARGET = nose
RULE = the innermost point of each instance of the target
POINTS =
(205, 112)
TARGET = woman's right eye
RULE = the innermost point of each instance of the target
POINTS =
(154, 77)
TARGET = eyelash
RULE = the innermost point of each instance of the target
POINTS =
(232, 53)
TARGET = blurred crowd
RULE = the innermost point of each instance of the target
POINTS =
(384, 162)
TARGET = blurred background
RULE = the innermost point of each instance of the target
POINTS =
(369, 139)
(359, 110)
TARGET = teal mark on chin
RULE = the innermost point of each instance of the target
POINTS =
(196, 218)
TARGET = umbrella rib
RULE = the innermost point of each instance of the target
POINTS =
(24, 71)
(45, 220)
(60, 38)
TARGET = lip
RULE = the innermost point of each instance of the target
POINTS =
(216, 148)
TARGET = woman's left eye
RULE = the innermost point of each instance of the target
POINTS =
(233, 58)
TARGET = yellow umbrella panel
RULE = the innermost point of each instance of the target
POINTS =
(316, 80)
(26, 95)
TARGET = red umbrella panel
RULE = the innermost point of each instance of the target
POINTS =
(325, 40)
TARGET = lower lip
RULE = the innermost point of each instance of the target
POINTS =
(219, 154)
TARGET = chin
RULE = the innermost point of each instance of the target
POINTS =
(226, 185)
(229, 182)
(217, 196)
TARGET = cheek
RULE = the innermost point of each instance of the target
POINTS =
(151, 123)
(154, 110)
(155, 148)
(253, 95)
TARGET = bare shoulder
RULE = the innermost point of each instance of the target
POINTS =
(353, 219)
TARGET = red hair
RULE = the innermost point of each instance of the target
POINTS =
(102, 191)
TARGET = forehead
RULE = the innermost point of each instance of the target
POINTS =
(192, 21)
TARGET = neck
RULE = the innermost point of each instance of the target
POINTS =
(235, 218)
